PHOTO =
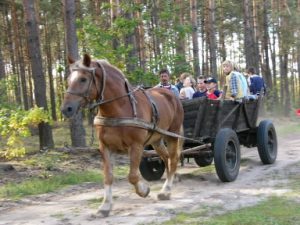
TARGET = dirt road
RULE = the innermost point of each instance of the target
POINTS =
(192, 192)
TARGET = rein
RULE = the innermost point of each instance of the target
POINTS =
(93, 105)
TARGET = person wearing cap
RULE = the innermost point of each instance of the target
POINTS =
(164, 76)
(212, 92)
(201, 88)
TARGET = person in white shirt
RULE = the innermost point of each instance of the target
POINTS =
(187, 91)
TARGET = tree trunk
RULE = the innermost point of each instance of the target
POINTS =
(114, 13)
(2, 68)
(140, 36)
(284, 47)
(266, 71)
(221, 32)
(193, 10)
(19, 56)
(249, 36)
(180, 61)
(212, 38)
(12, 57)
(76, 123)
(45, 132)
(130, 42)
(155, 39)
(49, 68)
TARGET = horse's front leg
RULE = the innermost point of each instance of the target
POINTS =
(106, 205)
(135, 154)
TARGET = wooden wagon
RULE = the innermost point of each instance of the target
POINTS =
(217, 129)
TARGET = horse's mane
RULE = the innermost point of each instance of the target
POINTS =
(104, 62)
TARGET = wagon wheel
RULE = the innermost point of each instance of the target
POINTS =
(152, 169)
(267, 142)
(204, 160)
(227, 155)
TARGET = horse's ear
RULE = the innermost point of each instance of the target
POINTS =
(70, 59)
(86, 60)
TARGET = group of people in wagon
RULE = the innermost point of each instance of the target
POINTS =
(238, 85)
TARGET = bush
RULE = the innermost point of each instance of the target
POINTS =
(15, 124)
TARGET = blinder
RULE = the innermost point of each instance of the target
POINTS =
(92, 72)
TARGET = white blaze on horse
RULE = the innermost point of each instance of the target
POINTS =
(127, 120)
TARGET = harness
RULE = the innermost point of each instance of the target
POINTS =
(116, 122)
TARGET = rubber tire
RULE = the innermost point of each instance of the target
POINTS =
(227, 164)
(267, 142)
(152, 170)
(203, 161)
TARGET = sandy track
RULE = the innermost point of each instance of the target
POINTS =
(76, 205)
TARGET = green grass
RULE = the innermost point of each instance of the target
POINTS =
(51, 183)
(274, 211)
(47, 161)
(288, 128)
(121, 172)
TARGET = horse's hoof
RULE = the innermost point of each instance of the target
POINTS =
(104, 210)
(164, 196)
(102, 213)
(145, 193)
(142, 190)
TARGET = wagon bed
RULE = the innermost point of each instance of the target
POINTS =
(203, 118)
(215, 129)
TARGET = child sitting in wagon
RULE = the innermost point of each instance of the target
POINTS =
(212, 91)
(188, 88)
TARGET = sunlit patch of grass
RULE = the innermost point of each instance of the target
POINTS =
(121, 171)
(47, 161)
(294, 177)
(49, 184)
(187, 218)
(288, 128)
(274, 211)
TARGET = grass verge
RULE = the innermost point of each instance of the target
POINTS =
(36, 186)
(274, 211)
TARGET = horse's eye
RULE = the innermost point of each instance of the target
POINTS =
(83, 80)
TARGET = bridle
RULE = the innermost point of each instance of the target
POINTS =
(100, 93)
(92, 80)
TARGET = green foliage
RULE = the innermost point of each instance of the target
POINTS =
(15, 124)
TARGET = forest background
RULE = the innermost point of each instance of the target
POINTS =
(140, 37)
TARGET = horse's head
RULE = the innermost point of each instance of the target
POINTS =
(82, 86)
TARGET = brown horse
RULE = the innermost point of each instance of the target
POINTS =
(127, 120)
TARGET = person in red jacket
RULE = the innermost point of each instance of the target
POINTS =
(212, 92)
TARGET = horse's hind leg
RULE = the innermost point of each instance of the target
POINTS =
(174, 147)
(135, 154)
(106, 205)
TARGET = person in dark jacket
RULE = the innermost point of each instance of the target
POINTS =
(256, 83)
(201, 88)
